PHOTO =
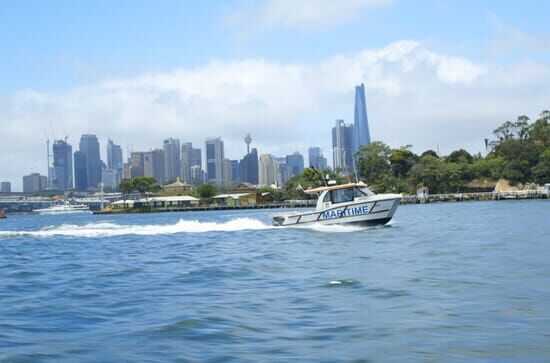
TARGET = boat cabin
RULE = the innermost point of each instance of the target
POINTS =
(345, 193)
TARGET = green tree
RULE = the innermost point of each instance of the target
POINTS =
(402, 160)
(541, 172)
(459, 156)
(374, 166)
(126, 187)
(429, 152)
(207, 191)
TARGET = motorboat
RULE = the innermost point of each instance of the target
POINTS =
(351, 203)
(65, 208)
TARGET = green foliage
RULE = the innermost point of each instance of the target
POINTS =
(207, 191)
(459, 156)
(374, 164)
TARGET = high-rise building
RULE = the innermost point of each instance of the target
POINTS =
(197, 175)
(196, 158)
(111, 178)
(114, 156)
(316, 158)
(342, 147)
(249, 167)
(227, 172)
(62, 165)
(172, 159)
(5, 187)
(283, 171)
(361, 121)
(136, 164)
(295, 164)
(153, 164)
(80, 171)
(89, 145)
(214, 160)
(268, 170)
(235, 172)
(34, 182)
(186, 161)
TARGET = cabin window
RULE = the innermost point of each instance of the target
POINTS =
(326, 199)
(341, 195)
(358, 193)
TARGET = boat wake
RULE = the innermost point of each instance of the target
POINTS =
(105, 229)
(112, 229)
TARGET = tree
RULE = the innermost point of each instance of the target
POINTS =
(504, 131)
(430, 153)
(460, 156)
(207, 191)
(374, 165)
(402, 160)
(541, 172)
(126, 186)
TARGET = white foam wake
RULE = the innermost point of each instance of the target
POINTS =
(112, 229)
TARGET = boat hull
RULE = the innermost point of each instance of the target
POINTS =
(368, 213)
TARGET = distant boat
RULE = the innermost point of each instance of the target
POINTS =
(65, 208)
(352, 203)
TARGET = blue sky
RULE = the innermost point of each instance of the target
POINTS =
(283, 70)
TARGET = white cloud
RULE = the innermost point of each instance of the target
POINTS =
(303, 14)
(414, 96)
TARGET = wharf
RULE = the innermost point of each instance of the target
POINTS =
(463, 197)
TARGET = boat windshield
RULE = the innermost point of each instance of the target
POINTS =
(341, 195)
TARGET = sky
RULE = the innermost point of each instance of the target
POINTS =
(438, 74)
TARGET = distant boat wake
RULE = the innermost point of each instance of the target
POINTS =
(103, 229)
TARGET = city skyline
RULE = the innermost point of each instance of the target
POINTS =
(282, 71)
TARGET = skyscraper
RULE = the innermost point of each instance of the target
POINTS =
(89, 146)
(186, 161)
(136, 164)
(62, 165)
(80, 171)
(172, 162)
(316, 158)
(268, 170)
(235, 172)
(114, 156)
(342, 147)
(295, 164)
(214, 160)
(5, 187)
(249, 167)
(227, 172)
(361, 121)
(153, 164)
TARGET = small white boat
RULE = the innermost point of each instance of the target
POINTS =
(65, 208)
(349, 203)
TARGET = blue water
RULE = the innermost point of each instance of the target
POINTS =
(445, 282)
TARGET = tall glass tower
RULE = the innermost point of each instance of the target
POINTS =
(361, 121)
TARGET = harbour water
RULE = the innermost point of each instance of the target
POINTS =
(444, 282)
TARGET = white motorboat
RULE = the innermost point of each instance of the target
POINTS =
(349, 203)
(65, 208)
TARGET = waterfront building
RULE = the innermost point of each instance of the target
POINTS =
(89, 146)
(111, 178)
(34, 182)
(214, 160)
(5, 187)
(361, 121)
(62, 165)
(114, 156)
(136, 164)
(342, 147)
(153, 165)
(316, 158)
(295, 164)
(80, 171)
(172, 159)
(249, 167)
(267, 170)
